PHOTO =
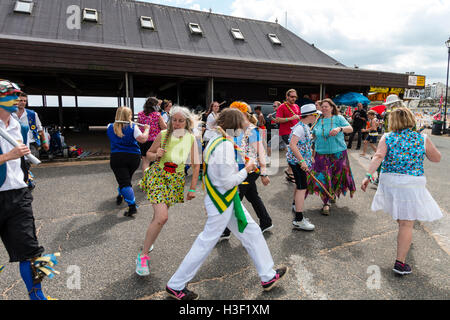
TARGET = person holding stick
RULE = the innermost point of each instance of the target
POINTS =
(299, 158)
(402, 189)
(17, 227)
(249, 140)
(224, 208)
(124, 137)
(164, 180)
(331, 164)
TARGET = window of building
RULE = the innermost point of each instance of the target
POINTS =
(24, 6)
(147, 23)
(90, 15)
(237, 34)
(195, 28)
(274, 39)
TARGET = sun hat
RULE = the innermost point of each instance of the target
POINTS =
(391, 99)
(309, 109)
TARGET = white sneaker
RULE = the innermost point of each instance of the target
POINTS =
(304, 224)
(142, 267)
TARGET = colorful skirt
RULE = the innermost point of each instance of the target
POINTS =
(162, 186)
(334, 172)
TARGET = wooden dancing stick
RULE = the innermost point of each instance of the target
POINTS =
(315, 123)
(236, 147)
(5, 135)
(130, 122)
(332, 197)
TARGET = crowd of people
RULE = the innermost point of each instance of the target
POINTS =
(228, 151)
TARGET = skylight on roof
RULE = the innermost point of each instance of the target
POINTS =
(195, 28)
(273, 37)
(90, 15)
(237, 34)
(24, 6)
(147, 23)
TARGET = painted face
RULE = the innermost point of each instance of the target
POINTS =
(8, 95)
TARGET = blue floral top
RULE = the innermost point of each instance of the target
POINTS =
(405, 154)
(304, 144)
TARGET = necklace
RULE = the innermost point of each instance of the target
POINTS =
(323, 129)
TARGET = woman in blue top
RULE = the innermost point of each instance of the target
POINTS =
(331, 165)
(125, 154)
(402, 188)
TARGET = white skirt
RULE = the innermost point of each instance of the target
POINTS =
(405, 197)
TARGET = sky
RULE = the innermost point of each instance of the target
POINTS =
(385, 35)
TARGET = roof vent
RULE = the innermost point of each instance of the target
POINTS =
(24, 6)
(195, 28)
(237, 34)
(90, 15)
(147, 23)
(274, 39)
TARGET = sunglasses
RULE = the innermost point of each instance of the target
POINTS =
(293, 97)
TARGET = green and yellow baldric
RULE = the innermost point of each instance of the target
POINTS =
(223, 201)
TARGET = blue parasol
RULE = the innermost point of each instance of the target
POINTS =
(351, 99)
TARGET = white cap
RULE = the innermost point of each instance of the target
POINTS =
(393, 98)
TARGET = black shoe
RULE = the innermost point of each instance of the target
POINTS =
(131, 211)
(184, 294)
(119, 200)
(266, 228)
(401, 268)
(270, 284)
(225, 236)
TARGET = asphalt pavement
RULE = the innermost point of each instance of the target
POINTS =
(349, 256)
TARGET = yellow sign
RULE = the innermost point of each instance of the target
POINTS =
(379, 89)
(397, 91)
(421, 81)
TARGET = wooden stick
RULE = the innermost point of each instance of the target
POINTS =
(126, 122)
(321, 185)
(236, 147)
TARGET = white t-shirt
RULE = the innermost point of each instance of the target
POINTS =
(210, 126)
(14, 173)
(136, 133)
(24, 120)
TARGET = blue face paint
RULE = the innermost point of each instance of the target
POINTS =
(7, 103)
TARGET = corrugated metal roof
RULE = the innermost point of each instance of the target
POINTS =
(119, 27)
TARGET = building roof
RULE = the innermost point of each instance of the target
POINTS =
(119, 27)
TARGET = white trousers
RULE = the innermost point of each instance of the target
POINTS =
(252, 239)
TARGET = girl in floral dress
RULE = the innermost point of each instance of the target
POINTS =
(164, 180)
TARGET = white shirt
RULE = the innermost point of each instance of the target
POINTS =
(223, 170)
(24, 120)
(210, 126)
(14, 173)
(136, 132)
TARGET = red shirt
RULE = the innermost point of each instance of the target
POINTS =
(284, 112)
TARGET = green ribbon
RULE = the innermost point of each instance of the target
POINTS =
(223, 201)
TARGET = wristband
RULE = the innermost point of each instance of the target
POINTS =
(303, 160)
(190, 190)
(44, 142)
(368, 175)
(287, 120)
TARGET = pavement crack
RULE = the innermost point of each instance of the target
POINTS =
(353, 243)
(161, 294)
(5, 293)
